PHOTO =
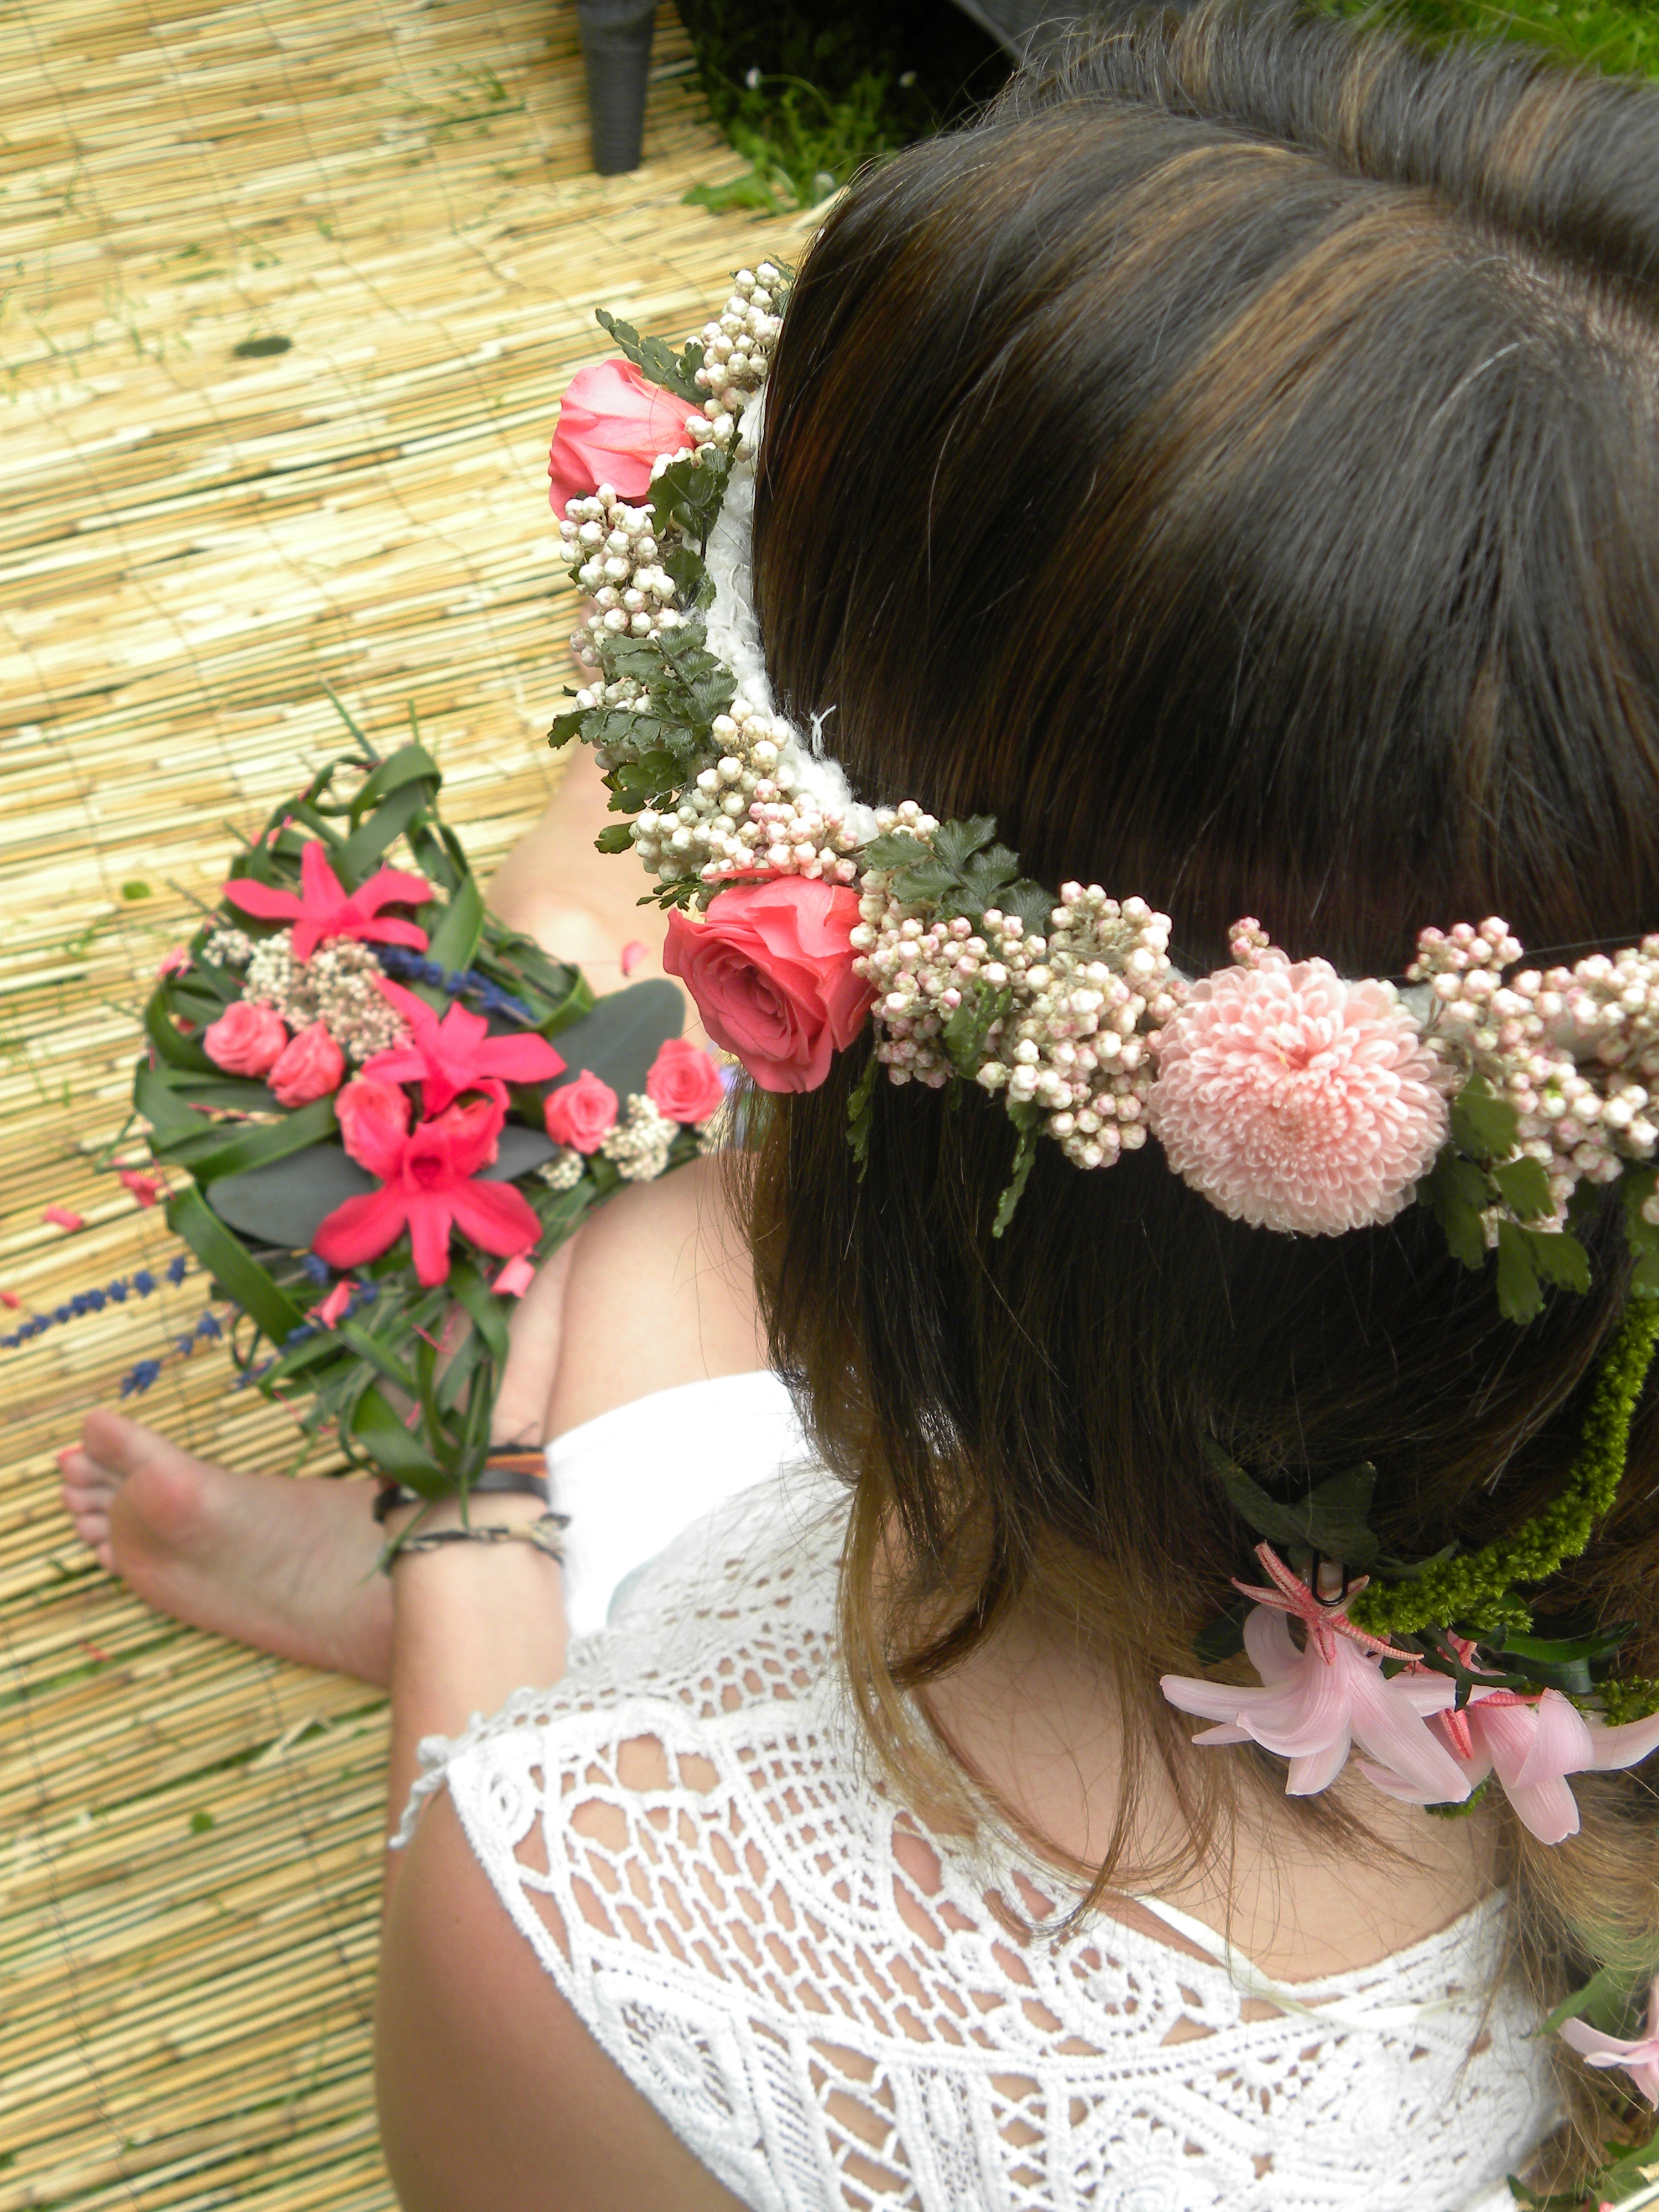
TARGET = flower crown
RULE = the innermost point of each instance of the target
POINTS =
(1506, 1098)
(1511, 1101)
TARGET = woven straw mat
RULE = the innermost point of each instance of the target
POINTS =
(197, 536)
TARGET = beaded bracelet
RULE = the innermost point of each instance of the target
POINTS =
(547, 1534)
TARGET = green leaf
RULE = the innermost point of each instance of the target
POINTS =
(967, 1028)
(383, 1437)
(924, 882)
(1526, 1189)
(895, 849)
(243, 1278)
(1332, 1519)
(858, 1112)
(488, 1313)
(1456, 1189)
(1223, 1638)
(1483, 1124)
(623, 1034)
(691, 580)
(1025, 1119)
(456, 938)
(568, 725)
(954, 842)
(1520, 1295)
(1558, 1258)
(614, 838)
(242, 1145)
(674, 372)
(180, 1052)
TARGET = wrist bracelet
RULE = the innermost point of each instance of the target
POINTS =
(507, 1473)
(547, 1534)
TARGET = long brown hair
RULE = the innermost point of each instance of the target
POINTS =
(1232, 463)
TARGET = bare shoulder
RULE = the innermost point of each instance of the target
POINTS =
(492, 2093)
(660, 1292)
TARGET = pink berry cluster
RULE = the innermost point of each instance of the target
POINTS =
(1576, 1050)
(1087, 1000)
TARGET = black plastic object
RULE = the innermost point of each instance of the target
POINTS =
(616, 38)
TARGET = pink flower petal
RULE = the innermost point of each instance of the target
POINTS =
(496, 1216)
(1317, 1770)
(515, 1278)
(359, 1230)
(1623, 1746)
(1548, 1808)
(1560, 1743)
(430, 1218)
(331, 1308)
(1390, 1731)
(263, 900)
(632, 953)
(60, 1216)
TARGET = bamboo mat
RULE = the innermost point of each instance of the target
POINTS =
(194, 541)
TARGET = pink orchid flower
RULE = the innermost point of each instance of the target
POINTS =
(457, 1054)
(426, 1184)
(322, 910)
(1319, 1702)
(1532, 1742)
(1640, 2059)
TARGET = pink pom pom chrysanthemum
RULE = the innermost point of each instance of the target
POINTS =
(1296, 1101)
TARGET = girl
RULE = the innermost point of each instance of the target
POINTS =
(1231, 464)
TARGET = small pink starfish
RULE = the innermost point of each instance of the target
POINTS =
(1323, 1622)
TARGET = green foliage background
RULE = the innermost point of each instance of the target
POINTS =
(807, 94)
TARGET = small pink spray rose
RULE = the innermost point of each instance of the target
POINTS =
(613, 424)
(245, 1040)
(684, 1083)
(310, 1066)
(770, 969)
(1296, 1101)
(581, 1113)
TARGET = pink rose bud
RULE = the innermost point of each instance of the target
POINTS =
(515, 1278)
(613, 424)
(309, 1067)
(581, 1113)
(770, 969)
(333, 1307)
(374, 1118)
(684, 1083)
(246, 1039)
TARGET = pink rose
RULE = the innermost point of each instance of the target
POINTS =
(770, 968)
(372, 1115)
(245, 1040)
(308, 1068)
(581, 1113)
(684, 1082)
(613, 424)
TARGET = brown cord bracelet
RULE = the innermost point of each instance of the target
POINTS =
(547, 1534)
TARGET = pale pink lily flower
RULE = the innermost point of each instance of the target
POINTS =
(1319, 1702)
(1640, 2059)
(1532, 1742)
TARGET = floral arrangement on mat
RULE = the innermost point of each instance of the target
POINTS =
(355, 1064)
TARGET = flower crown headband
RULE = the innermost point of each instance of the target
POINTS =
(1293, 1099)
(1511, 1100)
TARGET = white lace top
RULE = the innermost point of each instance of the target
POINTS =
(826, 2026)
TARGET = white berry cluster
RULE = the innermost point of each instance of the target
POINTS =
(336, 987)
(615, 551)
(737, 352)
(1576, 1050)
(745, 814)
(225, 946)
(640, 1141)
(1088, 1000)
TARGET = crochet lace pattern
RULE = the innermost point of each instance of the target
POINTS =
(833, 2008)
